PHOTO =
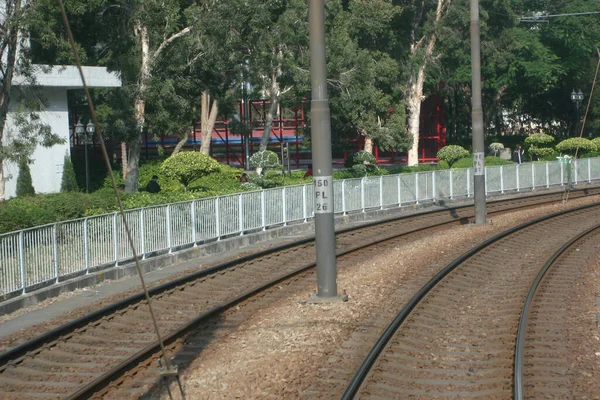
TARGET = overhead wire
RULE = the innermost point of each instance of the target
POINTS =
(170, 371)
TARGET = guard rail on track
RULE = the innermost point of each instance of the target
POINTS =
(51, 253)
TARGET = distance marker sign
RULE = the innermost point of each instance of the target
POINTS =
(323, 194)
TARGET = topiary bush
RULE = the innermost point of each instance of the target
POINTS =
(571, 145)
(539, 145)
(189, 166)
(24, 184)
(360, 157)
(68, 181)
(264, 160)
(451, 153)
(496, 147)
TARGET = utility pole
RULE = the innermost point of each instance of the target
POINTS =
(477, 118)
(321, 157)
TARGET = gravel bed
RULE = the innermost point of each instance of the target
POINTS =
(286, 351)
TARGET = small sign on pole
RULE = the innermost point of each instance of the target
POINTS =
(323, 194)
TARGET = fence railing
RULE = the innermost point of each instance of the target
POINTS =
(47, 254)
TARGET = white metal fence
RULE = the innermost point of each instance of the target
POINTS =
(47, 254)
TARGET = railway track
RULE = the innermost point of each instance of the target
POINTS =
(115, 347)
(456, 337)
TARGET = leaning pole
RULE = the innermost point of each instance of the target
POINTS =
(477, 118)
(321, 158)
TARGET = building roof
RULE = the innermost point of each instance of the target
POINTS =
(67, 76)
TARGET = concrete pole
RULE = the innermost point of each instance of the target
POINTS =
(321, 157)
(477, 118)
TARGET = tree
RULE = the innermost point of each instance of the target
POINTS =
(189, 166)
(19, 143)
(68, 181)
(451, 153)
(24, 184)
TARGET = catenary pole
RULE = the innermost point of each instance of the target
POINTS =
(321, 156)
(477, 118)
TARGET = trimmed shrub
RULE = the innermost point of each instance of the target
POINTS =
(24, 184)
(451, 153)
(361, 157)
(538, 145)
(189, 166)
(68, 181)
(496, 147)
(571, 145)
(467, 162)
(264, 160)
(540, 153)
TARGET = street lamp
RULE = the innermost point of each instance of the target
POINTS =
(577, 98)
(85, 132)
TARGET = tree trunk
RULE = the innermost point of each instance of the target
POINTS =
(181, 143)
(492, 107)
(207, 122)
(415, 83)
(12, 39)
(264, 141)
(133, 160)
(124, 159)
(368, 144)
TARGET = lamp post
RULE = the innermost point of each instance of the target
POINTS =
(85, 132)
(577, 98)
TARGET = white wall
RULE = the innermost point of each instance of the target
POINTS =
(47, 165)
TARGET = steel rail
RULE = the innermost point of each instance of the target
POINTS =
(362, 371)
(520, 342)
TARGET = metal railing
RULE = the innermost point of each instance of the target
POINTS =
(47, 254)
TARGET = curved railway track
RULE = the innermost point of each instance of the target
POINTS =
(87, 356)
(456, 337)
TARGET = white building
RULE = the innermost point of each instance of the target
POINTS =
(47, 166)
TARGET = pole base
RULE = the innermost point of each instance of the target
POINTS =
(315, 299)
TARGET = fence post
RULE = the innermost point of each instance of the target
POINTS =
(218, 218)
(142, 234)
(263, 209)
(589, 171)
(532, 177)
(501, 179)
(575, 162)
(451, 184)
(169, 239)
(304, 202)
(362, 194)
(380, 192)
(55, 250)
(399, 191)
(193, 214)
(416, 188)
(344, 197)
(22, 260)
(433, 187)
(562, 174)
(284, 207)
(517, 173)
(547, 176)
(86, 245)
(469, 182)
(241, 214)
(115, 239)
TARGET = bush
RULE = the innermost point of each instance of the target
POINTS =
(24, 184)
(540, 153)
(361, 157)
(264, 160)
(539, 139)
(451, 153)
(189, 166)
(68, 181)
(467, 162)
(571, 145)
(496, 147)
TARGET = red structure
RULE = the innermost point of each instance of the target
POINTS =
(432, 134)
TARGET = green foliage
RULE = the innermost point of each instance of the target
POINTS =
(443, 164)
(24, 184)
(467, 162)
(68, 181)
(596, 141)
(189, 166)
(404, 169)
(540, 153)
(539, 139)
(571, 145)
(451, 153)
(360, 157)
(265, 159)
(496, 147)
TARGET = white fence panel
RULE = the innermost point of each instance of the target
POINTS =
(11, 279)
(71, 247)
